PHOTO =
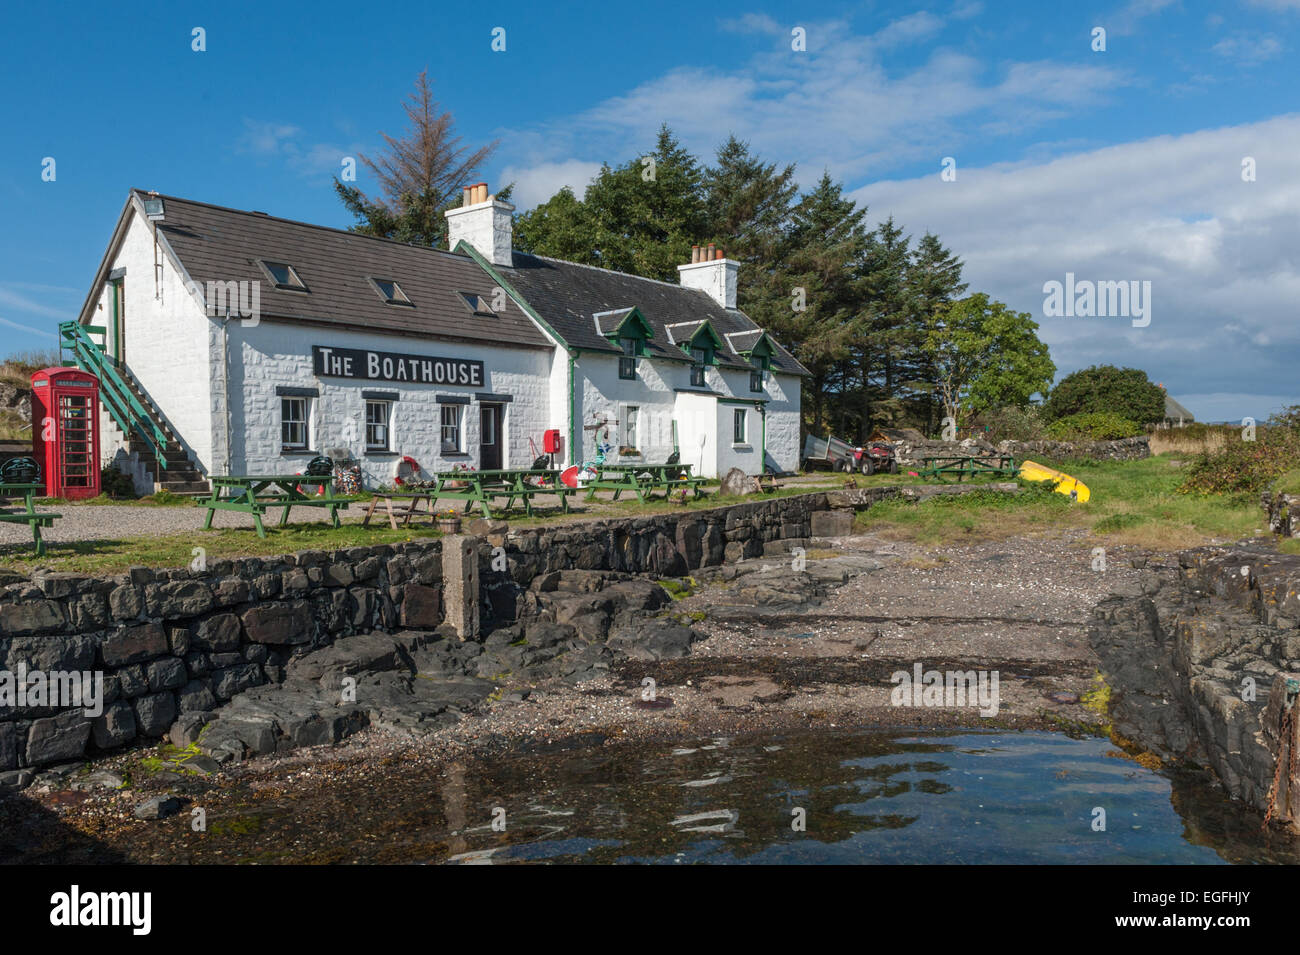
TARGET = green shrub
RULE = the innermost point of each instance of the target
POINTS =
(115, 484)
(1126, 392)
(1093, 426)
(1245, 467)
(1009, 423)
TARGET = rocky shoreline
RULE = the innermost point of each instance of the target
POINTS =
(1199, 665)
(747, 647)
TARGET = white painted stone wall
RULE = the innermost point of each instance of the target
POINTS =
(275, 354)
(167, 343)
(698, 415)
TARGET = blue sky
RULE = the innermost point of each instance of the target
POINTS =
(1115, 165)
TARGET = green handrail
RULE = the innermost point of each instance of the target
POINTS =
(122, 405)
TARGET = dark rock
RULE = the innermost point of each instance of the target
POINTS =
(131, 644)
(56, 738)
(35, 616)
(158, 807)
(115, 726)
(154, 714)
(179, 598)
(8, 747)
(196, 696)
(166, 674)
(218, 633)
(422, 606)
(287, 622)
(232, 680)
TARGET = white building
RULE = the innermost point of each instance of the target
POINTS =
(255, 343)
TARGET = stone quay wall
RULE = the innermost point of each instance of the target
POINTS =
(1204, 666)
(175, 642)
(169, 642)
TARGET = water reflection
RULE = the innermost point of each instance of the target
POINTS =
(865, 797)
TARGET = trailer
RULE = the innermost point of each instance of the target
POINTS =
(836, 455)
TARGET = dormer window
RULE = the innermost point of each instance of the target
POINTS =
(477, 304)
(284, 276)
(701, 358)
(627, 361)
(390, 292)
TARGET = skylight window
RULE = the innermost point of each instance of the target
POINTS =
(284, 276)
(390, 291)
(478, 304)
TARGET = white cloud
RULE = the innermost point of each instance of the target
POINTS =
(286, 142)
(841, 106)
(537, 183)
(1248, 49)
(1221, 253)
(44, 333)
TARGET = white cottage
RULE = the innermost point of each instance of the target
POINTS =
(246, 344)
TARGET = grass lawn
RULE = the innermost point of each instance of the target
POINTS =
(1132, 502)
(113, 555)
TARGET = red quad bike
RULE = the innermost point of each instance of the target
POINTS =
(877, 456)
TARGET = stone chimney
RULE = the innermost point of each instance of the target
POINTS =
(711, 272)
(484, 222)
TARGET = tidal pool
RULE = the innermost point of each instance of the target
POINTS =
(866, 797)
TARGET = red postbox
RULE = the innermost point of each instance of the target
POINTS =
(65, 431)
(551, 441)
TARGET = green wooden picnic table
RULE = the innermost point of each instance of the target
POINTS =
(967, 465)
(246, 493)
(483, 487)
(28, 515)
(643, 480)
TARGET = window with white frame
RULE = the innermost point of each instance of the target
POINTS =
(378, 415)
(630, 421)
(738, 421)
(293, 423)
(451, 429)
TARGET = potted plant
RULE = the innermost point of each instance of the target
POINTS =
(448, 521)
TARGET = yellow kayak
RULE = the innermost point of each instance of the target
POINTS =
(1064, 483)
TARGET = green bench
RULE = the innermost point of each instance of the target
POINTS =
(485, 487)
(246, 494)
(28, 515)
(644, 479)
(961, 466)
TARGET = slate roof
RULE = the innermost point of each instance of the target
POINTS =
(221, 244)
(216, 243)
(1175, 411)
(567, 295)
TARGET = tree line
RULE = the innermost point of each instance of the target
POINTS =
(880, 319)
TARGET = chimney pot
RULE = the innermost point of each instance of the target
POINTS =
(719, 255)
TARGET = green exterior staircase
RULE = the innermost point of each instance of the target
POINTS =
(146, 431)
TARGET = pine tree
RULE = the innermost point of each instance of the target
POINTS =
(420, 175)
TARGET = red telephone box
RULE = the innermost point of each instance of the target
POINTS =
(65, 431)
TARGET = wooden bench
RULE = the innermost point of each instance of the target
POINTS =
(28, 515)
(766, 483)
(245, 494)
